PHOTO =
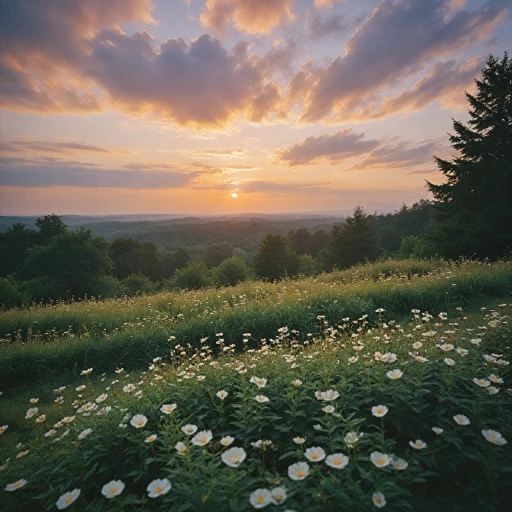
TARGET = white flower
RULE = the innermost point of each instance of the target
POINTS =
(15, 485)
(379, 499)
(84, 433)
(418, 444)
(352, 438)
(494, 437)
(129, 388)
(315, 454)
(394, 374)
(222, 394)
(112, 489)
(42, 418)
(259, 381)
(168, 408)
(233, 457)
(298, 471)
(495, 379)
(138, 421)
(437, 430)
(297, 383)
(67, 499)
(202, 438)
(449, 362)
(461, 419)
(101, 398)
(227, 440)
(399, 464)
(158, 487)
(476, 341)
(34, 400)
(329, 409)
(261, 399)
(481, 382)
(151, 438)
(278, 495)
(31, 413)
(3, 428)
(337, 460)
(327, 396)
(381, 460)
(260, 498)
(417, 345)
(86, 372)
(446, 347)
(379, 411)
(189, 429)
(181, 448)
(299, 440)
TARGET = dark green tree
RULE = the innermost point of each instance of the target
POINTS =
(216, 254)
(300, 241)
(230, 272)
(351, 242)
(192, 277)
(275, 259)
(132, 257)
(74, 261)
(49, 227)
(173, 261)
(474, 204)
(14, 244)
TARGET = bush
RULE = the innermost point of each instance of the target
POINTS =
(230, 272)
(309, 266)
(10, 295)
(138, 283)
(192, 277)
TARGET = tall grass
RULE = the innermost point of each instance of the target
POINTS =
(257, 308)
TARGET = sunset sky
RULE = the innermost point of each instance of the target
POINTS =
(171, 106)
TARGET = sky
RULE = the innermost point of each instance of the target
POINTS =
(175, 106)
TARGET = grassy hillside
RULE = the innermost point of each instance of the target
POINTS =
(285, 343)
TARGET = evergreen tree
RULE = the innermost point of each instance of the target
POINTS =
(275, 259)
(351, 242)
(474, 204)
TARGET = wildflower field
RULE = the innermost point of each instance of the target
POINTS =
(385, 386)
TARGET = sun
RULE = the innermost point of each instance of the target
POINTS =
(234, 195)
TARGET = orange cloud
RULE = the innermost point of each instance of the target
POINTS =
(249, 16)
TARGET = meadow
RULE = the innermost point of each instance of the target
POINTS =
(382, 386)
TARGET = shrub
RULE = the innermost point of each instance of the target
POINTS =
(230, 272)
(192, 277)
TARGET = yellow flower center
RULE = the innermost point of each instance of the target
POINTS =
(278, 498)
(314, 456)
(378, 500)
(260, 499)
(336, 462)
(113, 490)
(300, 473)
(69, 499)
(140, 423)
(380, 462)
(17, 484)
(159, 490)
(203, 441)
(235, 458)
(493, 438)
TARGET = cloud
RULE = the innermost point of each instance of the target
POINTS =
(374, 154)
(396, 41)
(395, 154)
(249, 16)
(233, 152)
(444, 82)
(201, 84)
(65, 147)
(333, 148)
(327, 4)
(50, 172)
(335, 24)
(43, 49)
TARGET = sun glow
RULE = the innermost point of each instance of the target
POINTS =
(234, 195)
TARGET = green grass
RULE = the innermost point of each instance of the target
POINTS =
(140, 328)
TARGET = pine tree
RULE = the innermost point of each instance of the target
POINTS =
(351, 242)
(474, 204)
